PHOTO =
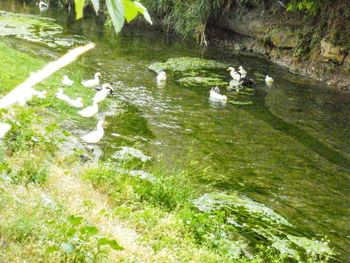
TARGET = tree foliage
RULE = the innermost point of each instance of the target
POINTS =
(310, 6)
(118, 10)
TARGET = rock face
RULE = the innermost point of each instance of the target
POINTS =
(258, 29)
(331, 52)
(290, 41)
(284, 37)
(347, 62)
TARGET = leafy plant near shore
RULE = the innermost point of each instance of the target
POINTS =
(308, 5)
(80, 242)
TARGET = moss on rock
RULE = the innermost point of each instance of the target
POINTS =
(284, 37)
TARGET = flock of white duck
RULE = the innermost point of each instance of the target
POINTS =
(238, 79)
(88, 112)
(21, 97)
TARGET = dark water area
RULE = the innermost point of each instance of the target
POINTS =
(290, 150)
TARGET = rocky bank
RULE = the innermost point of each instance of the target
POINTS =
(306, 44)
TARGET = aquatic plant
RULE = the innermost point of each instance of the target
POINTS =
(185, 64)
(166, 212)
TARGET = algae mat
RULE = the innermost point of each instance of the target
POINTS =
(35, 29)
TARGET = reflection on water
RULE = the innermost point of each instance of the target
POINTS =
(290, 150)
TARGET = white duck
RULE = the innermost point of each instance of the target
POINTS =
(268, 80)
(77, 103)
(4, 128)
(234, 84)
(66, 81)
(91, 83)
(161, 76)
(60, 95)
(234, 74)
(94, 136)
(26, 95)
(216, 96)
(242, 71)
(103, 93)
(89, 111)
(43, 6)
(20, 96)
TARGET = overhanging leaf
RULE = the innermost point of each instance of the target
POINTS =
(116, 11)
(144, 12)
(96, 5)
(130, 10)
(79, 6)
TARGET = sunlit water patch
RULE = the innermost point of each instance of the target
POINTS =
(41, 30)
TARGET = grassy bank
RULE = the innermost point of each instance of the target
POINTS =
(58, 206)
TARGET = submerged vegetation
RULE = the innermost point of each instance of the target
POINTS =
(58, 207)
(61, 203)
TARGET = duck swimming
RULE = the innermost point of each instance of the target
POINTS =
(89, 111)
(268, 80)
(161, 76)
(42, 6)
(91, 83)
(66, 81)
(94, 136)
(242, 71)
(21, 97)
(26, 95)
(77, 103)
(103, 93)
(234, 74)
(216, 96)
(60, 95)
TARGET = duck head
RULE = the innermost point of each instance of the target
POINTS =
(231, 69)
(109, 87)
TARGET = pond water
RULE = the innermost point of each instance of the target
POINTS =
(289, 150)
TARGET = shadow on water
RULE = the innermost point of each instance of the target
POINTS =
(291, 130)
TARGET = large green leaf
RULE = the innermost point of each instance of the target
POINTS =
(96, 5)
(132, 8)
(79, 6)
(116, 11)
(144, 12)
